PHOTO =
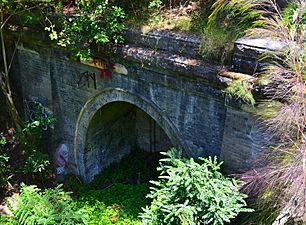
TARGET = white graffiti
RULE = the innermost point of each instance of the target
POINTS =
(35, 110)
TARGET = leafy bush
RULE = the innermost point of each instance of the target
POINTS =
(4, 219)
(191, 193)
(96, 22)
(2, 141)
(155, 4)
(49, 207)
(36, 162)
(30, 139)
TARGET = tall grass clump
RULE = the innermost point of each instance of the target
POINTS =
(278, 184)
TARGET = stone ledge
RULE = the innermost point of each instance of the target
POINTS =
(174, 53)
(167, 62)
(185, 44)
(247, 51)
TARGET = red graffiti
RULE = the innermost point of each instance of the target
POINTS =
(104, 67)
(105, 74)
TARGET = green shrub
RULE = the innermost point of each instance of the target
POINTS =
(3, 169)
(217, 44)
(36, 162)
(97, 22)
(3, 163)
(49, 207)
(2, 141)
(191, 193)
(30, 138)
(4, 219)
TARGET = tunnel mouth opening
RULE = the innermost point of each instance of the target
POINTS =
(123, 145)
(136, 168)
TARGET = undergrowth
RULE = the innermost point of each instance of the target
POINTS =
(118, 194)
(135, 168)
(121, 193)
(160, 16)
(118, 204)
(3, 163)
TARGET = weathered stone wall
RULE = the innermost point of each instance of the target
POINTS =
(242, 140)
(150, 136)
(176, 89)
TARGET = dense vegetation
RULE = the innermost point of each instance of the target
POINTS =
(97, 22)
(23, 154)
(118, 197)
(115, 196)
(52, 206)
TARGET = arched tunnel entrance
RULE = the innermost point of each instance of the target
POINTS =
(120, 128)
(113, 123)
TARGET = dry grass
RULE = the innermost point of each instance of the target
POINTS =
(179, 18)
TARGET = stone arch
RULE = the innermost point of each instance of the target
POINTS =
(119, 95)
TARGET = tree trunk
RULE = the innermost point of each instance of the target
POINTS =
(5, 81)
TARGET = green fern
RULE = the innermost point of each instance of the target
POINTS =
(242, 90)
(188, 192)
(49, 207)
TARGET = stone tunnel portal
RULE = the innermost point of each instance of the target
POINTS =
(117, 129)
(112, 123)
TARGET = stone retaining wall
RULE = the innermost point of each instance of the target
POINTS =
(165, 80)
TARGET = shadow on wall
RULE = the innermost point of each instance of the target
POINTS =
(116, 130)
